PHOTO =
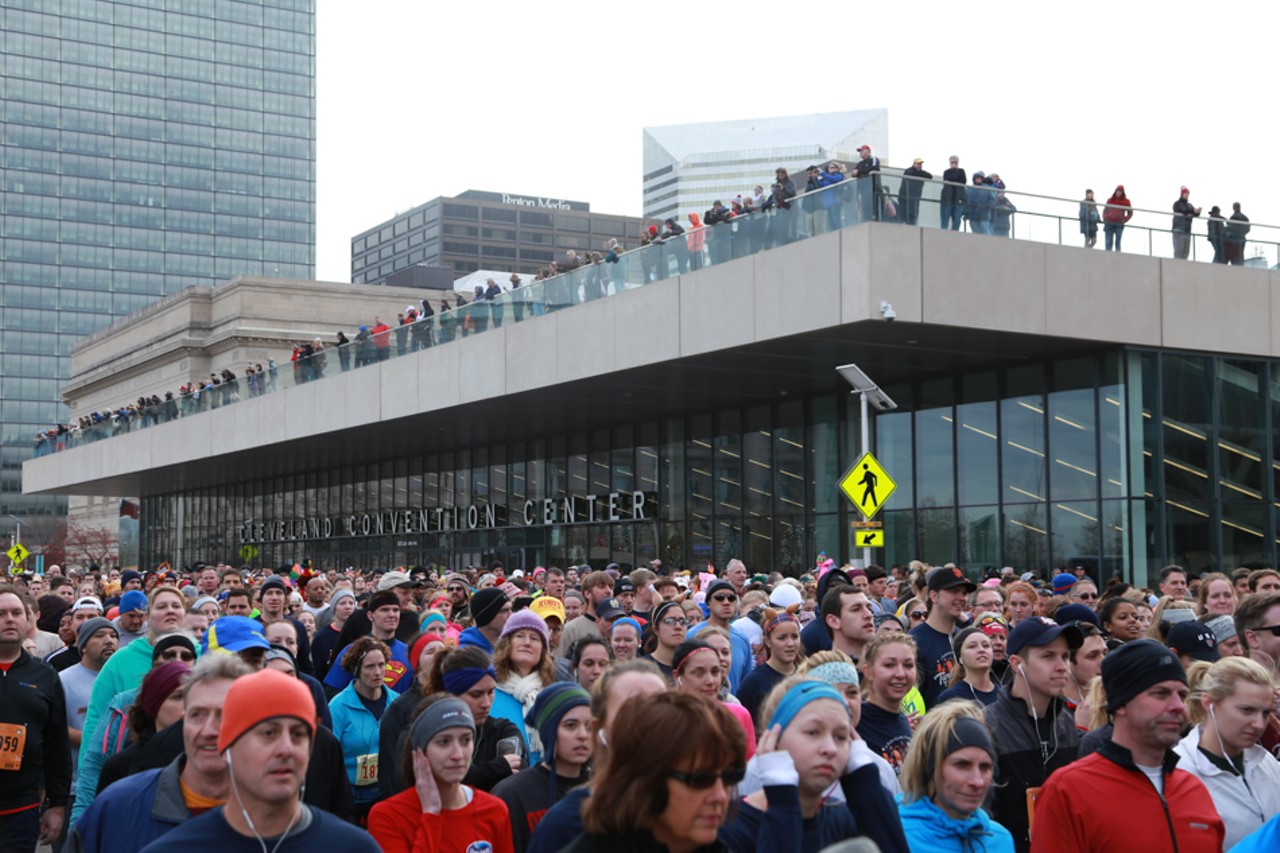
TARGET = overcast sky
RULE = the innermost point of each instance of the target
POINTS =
(417, 100)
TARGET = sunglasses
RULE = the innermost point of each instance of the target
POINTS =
(918, 614)
(178, 654)
(1273, 629)
(702, 781)
(724, 597)
(1088, 596)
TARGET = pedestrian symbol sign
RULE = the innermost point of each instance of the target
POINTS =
(17, 553)
(870, 539)
(867, 485)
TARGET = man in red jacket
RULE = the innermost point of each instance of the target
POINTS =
(1129, 795)
(381, 339)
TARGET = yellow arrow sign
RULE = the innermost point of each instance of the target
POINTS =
(867, 485)
(870, 539)
(17, 553)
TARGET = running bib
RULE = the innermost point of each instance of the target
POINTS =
(367, 769)
(13, 740)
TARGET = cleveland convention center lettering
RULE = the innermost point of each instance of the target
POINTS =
(569, 509)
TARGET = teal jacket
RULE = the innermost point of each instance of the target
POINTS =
(357, 731)
(930, 830)
(506, 707)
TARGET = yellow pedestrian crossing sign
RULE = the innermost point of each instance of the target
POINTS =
(870, 539)
(867, 485)
(17, 553)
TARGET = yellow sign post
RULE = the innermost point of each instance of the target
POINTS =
(17, 554)
(867, 486)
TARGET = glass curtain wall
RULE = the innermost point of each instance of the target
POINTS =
(1123, 461)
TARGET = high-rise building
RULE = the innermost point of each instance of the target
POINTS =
(486, 230)
(689, 166)
(147, 146)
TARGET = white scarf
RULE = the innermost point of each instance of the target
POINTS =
(525, 691)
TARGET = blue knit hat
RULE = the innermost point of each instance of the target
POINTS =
(548, 710)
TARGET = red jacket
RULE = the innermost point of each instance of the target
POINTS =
(382, 335)
(399, 825)
(1118, 210)
(1105, 804)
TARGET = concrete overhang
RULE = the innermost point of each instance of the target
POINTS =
(753, 330)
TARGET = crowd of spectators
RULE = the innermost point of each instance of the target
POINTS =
(751, 222)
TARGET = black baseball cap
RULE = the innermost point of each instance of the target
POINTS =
(1195, 640)
(609, 608)
(1039, 631)
(949, 578)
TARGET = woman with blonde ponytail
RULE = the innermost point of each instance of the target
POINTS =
(784, 650)
(1230, 704)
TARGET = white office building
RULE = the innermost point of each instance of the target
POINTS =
(689, 166)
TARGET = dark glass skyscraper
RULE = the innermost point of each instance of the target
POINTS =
(148, 145)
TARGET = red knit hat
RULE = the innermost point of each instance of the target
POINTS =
(421, 643)
(266, 694)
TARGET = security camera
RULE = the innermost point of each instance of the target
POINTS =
(887, 312)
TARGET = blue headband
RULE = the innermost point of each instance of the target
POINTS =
(626, 620)
(797, 697)
(835, 672)
(459, 681)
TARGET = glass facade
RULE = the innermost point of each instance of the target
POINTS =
(1124, 460)
(147, 146)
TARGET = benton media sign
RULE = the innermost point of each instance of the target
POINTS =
(571, 509)
(536, 201)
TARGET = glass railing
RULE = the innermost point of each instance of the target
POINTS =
(885, 197)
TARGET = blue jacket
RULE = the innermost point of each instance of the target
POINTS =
(743, 660)
(929, 830)
(826, 179)
(131, 813)
(472, 637)
(357, 731)
(978, 201)
(110, 735)
(506, 707)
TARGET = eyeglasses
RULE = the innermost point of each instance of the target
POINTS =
(178, 654)
(1088, 596)
(918, 614)
(702, 781)
(675, 622)
(725, 596)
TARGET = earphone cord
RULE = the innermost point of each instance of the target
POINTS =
(244, 813)
(1045, 755)
(1217, 732)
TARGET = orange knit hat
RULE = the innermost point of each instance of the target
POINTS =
(266, 694)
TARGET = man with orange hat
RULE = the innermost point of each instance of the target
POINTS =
(266, 747)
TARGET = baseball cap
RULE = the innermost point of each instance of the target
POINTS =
(397, 579)
(623, 584)
(133, 601)
(1076, 613)
(949, 578)
(609, 608)
(1039, 631)
(233, 634)
(547, 606)
(1195, 640)
(88, 602)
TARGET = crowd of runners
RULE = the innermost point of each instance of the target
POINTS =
(590, 709)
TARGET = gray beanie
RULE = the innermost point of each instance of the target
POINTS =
(91, 627)
(1223, 628)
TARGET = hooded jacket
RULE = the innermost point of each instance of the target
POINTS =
(133, 812)
(1118, 210)
(930, 830)
(1244, 802)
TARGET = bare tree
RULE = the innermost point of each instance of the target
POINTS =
(88, 546)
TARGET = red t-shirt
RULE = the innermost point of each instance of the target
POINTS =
(399, 825)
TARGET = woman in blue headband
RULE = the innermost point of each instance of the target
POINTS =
(803, 754)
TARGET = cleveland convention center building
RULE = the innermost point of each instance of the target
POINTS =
(1055, 405)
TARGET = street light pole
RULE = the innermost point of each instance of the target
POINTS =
(869, 394)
